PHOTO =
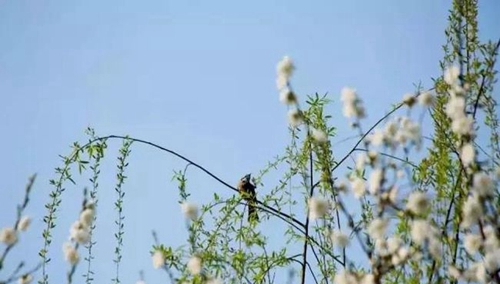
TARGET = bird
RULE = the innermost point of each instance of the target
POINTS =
(247, 191)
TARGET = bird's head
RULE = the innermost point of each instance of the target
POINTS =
(246, 178)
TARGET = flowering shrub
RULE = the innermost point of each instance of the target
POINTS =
(423, 216)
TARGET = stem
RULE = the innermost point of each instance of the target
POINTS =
(304, 251)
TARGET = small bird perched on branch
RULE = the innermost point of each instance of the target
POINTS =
(247, 191)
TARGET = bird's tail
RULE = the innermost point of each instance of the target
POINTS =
(252, 212)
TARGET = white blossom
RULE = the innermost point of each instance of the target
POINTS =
(381, 247)
(24, 223)
(25, 279)
(400, 256)
(393, 244)
(419, 231)
(372, 156)
(492, 243)
(472, 243)
(281, 82)
(390, 132)
(339, 239)
(409, 131)
(455, 107)
(463, 125)
(426, 99)
(140, 282)
(318, 207)
(70, 253)
(190, 210)
(349, 110)
(194, 265)
(376, 138)
(345, 277)
(361, 160)
(492, 260)
(467, 154)
(368, 279)
(409, 99)
(87, 217)
(483, 185)
(477, 273)
(319, 135)
(287, 96)
(472, 211)
(285, 67)
(351, 104)
(348, 95)
(481, 273)
(79, 233)
(294, 117)
(8, 236)
(376, 178)
(390, 195)
(358, 187)
(417, 203)
(377, 228)
(454, 272)
(284, 70)
(158, 259)
(391, 128)
(435, 248)
(451, 75)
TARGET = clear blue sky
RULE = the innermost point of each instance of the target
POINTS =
(194, 76)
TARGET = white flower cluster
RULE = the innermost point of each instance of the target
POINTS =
(390, 250)
(425, 99)
(79, 234)
(481, 240)
(377, 228)
(397, 132)
(461, 123)
(25, 279)
(71, 253)
(318, 207)
(190, 210)
(339, 239)
(488, 265)
(8, 235)
(473, 209)
(284, 71)
(349, 277)
(158, 259)
(194, 265)
(352, 105)
(425, 234)
(417, 203)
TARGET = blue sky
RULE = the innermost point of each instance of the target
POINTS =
(194, 76)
